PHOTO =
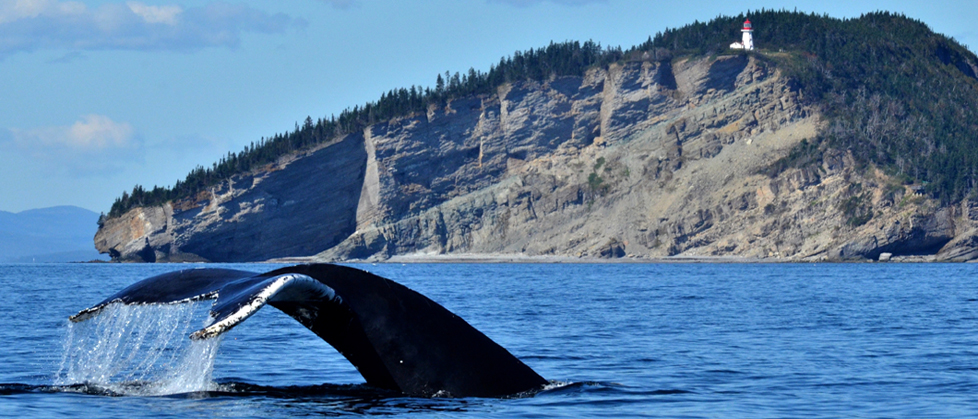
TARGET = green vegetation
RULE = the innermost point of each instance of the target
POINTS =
(595, 182)
(805, 154)
(599, 163)
(557, 59)
(855, 207)
(855, 210)
(895, 94)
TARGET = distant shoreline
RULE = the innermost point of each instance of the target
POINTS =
(514, 258)
(495, 258)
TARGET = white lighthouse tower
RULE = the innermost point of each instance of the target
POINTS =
(748, 42)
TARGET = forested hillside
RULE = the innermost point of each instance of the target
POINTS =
(563, 59)
(895, 94)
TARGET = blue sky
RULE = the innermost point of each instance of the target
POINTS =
(97, 96)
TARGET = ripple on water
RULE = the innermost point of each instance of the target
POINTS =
(712, 340)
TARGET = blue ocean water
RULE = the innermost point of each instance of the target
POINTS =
(616, 340)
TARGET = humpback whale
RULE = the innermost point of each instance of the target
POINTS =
(396, 338)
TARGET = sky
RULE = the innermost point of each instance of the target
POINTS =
(97, 96)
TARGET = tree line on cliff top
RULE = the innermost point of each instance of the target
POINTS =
(554, 60)
(896, 95)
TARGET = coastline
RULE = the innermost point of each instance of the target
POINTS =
(544, 259)
(519, 258)
(515, 258)
(553, 259)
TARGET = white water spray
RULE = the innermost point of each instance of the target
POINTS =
(141, 350)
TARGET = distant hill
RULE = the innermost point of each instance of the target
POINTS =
(55, 234)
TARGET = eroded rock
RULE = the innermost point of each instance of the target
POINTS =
(645, 158)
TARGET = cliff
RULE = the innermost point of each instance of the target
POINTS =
(642, 158)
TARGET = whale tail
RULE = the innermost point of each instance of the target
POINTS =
(397, 338)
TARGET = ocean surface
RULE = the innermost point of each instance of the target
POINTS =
(616, 340)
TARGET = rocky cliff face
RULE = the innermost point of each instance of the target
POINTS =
(301, 206)
(644, 159)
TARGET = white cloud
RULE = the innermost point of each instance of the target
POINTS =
(28, 25)
(13, 10)
(93, 145)
(99, 132)
(93, 132)
(156, 14)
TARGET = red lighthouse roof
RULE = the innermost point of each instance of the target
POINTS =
(747, 24)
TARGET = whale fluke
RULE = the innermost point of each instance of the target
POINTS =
(397, 338)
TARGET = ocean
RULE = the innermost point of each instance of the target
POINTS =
(614, 340)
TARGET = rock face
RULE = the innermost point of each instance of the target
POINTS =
(302, 206)
(643, 159)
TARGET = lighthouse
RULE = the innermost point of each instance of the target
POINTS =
(748, 42)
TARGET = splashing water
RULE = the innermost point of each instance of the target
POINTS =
(141, 350)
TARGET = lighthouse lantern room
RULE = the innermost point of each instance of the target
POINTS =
(748, 42)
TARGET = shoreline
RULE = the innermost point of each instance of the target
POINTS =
(524, 259)
(501, 258)
(504, 258)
